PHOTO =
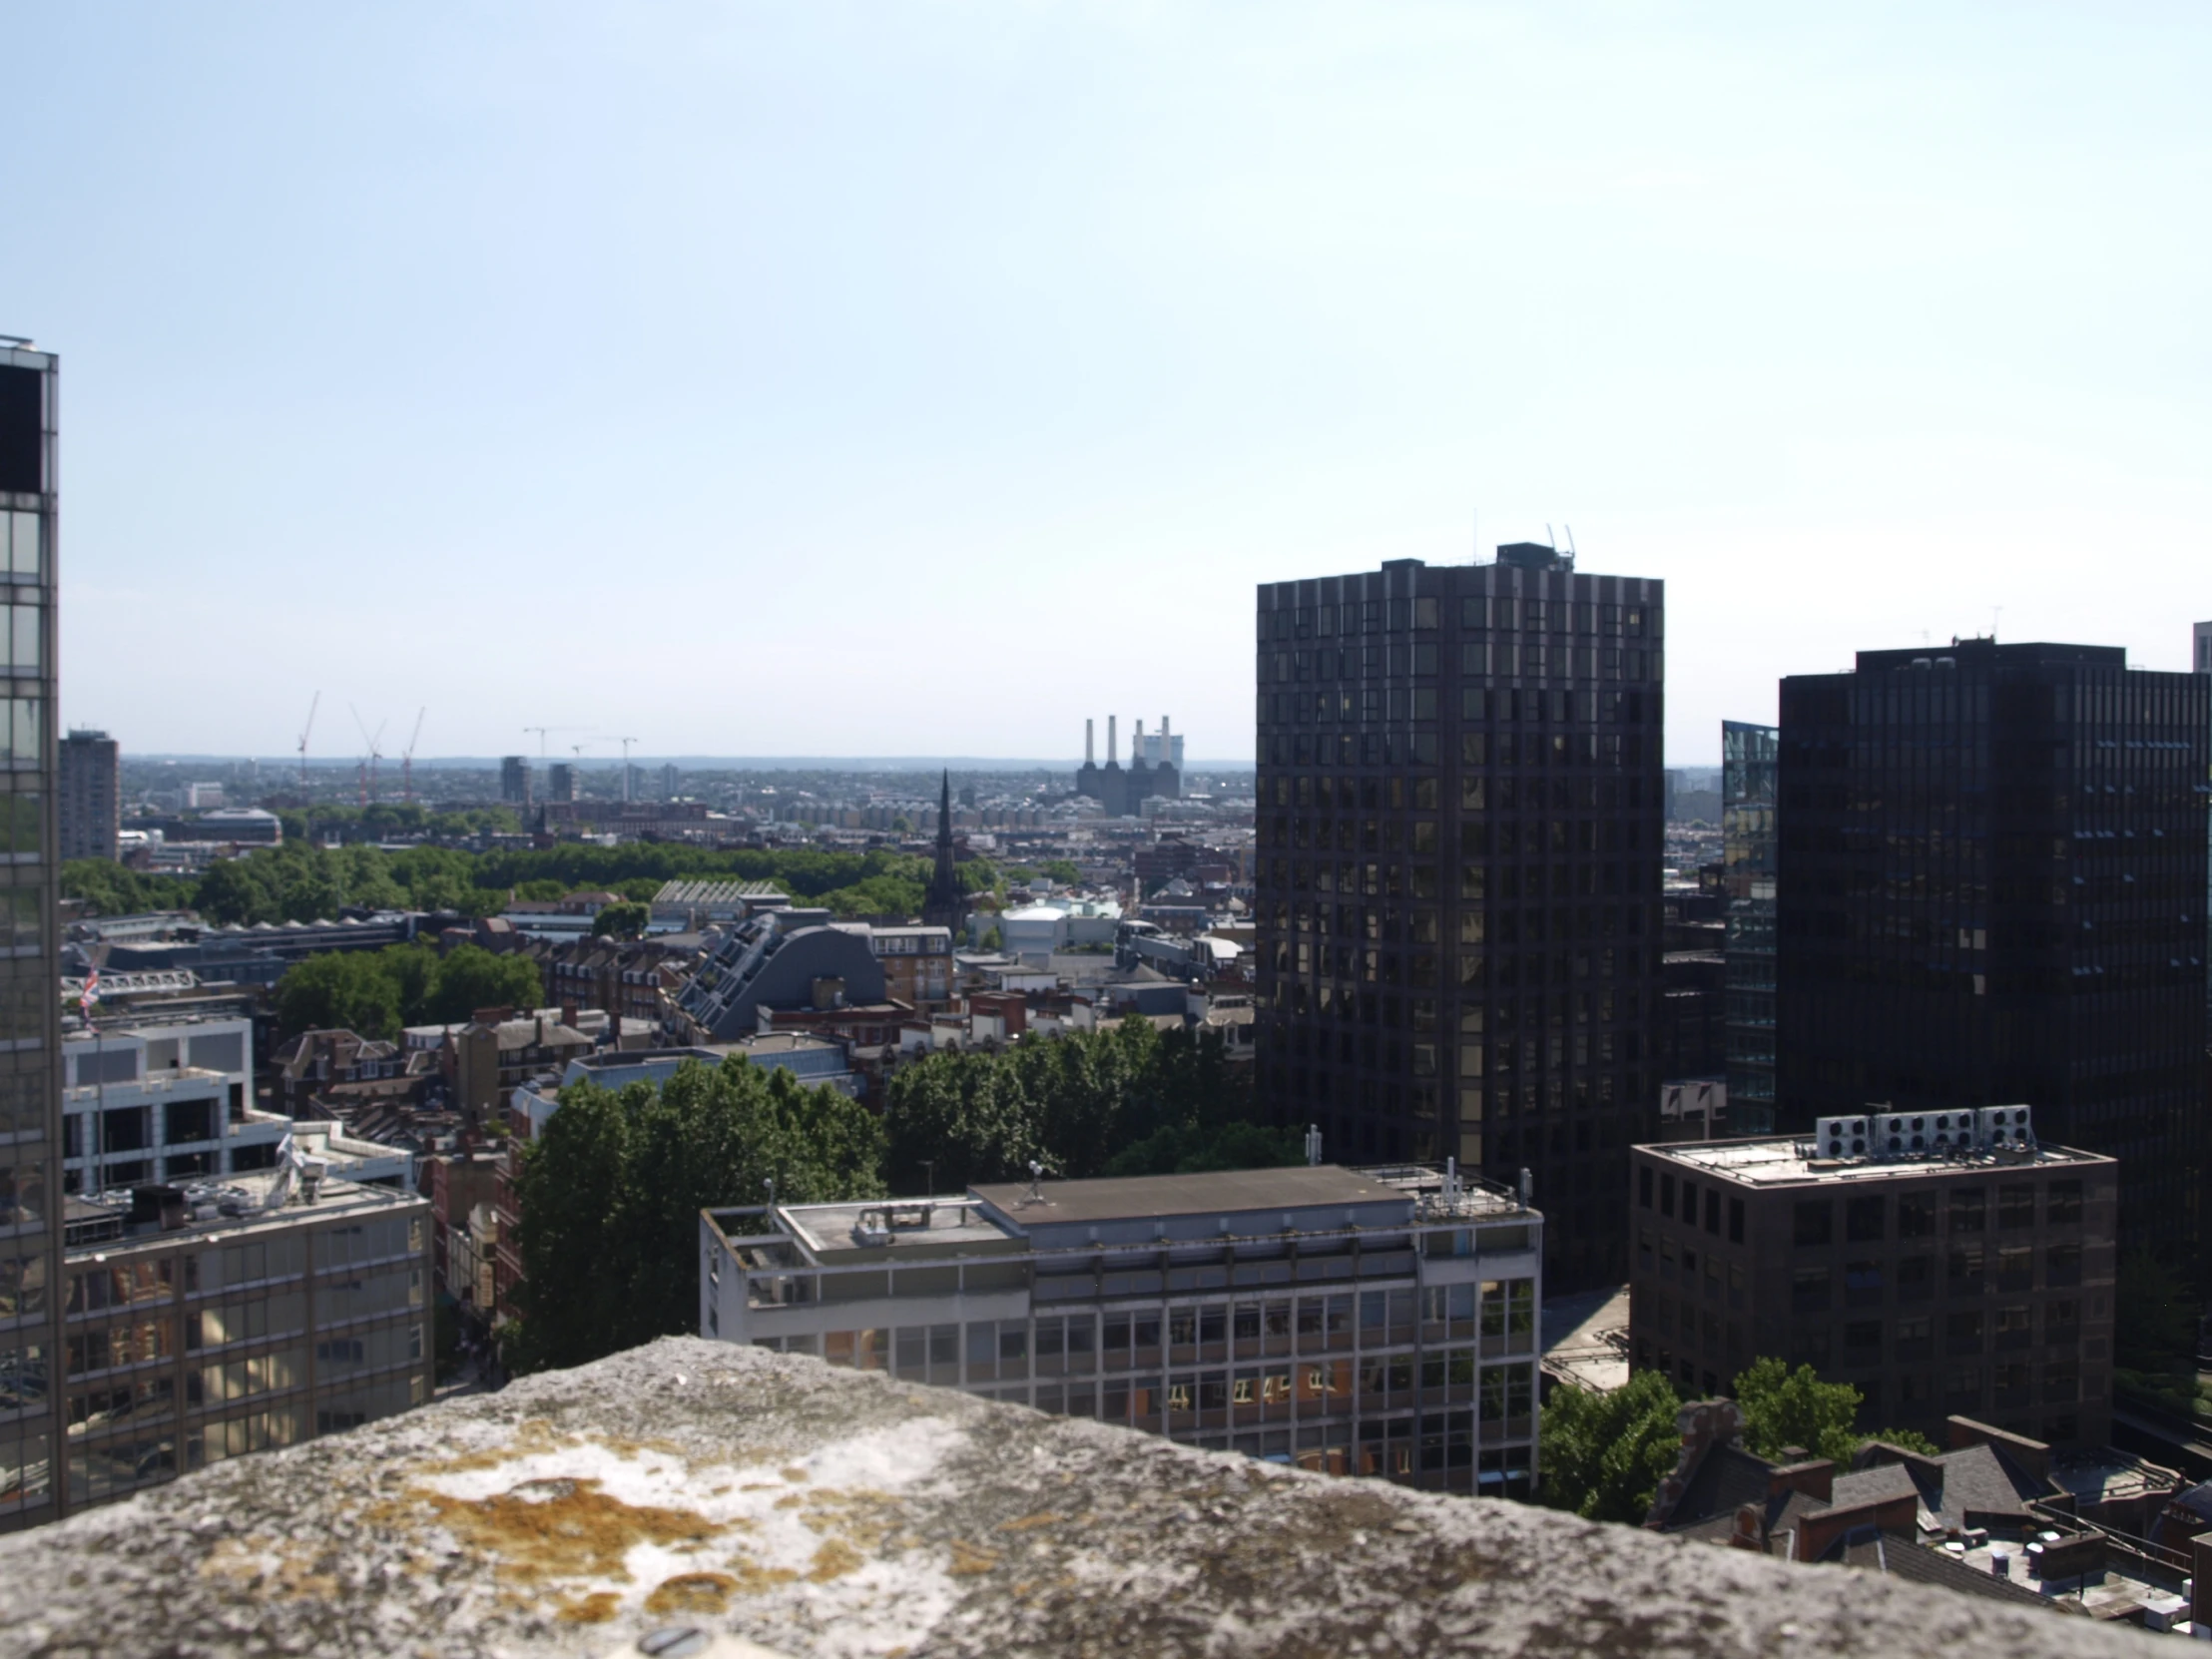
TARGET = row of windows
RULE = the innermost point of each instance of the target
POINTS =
(1422, 614)
(1483, 659)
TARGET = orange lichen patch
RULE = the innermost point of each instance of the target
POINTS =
(833, 1558)
(596, 1608)
(691, 1592)
(796, 1473)
(268, 1567)
(531, 1436)
(1043, 1517)
(968, 1561)
(750, 1578)
(564, 1528)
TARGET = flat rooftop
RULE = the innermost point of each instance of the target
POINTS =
(1223, 1192)
(917, 1225)
(334, 1199)
(1785, 1160)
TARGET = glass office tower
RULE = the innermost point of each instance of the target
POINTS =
(1747, 767)
(1992, 892)
(30, 1096)
(1458, 875)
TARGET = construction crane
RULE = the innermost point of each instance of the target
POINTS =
(303, 730)
(406, 761)
(369, 764)
(542, 731)
(626, 743)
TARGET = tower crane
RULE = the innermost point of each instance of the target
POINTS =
(303, 730)
(406, 761)
(626, 743)
(369, 765)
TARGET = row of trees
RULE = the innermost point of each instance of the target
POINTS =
(373, 993)
(302, 881)
(1604, 1455)
(611, 1191)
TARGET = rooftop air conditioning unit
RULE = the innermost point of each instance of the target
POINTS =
(2006, 1129)
(1952, 1132)
(1901, 1134)
(1842, 1137)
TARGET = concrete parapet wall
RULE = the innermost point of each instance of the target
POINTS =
(824, 1512)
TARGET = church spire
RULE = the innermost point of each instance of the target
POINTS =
(944, 907)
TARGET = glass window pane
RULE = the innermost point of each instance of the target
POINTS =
(23, 559)
(24, 738)
(23, 638)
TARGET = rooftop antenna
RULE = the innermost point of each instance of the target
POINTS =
(1312, 1145)
(770, 1183)
(1036, 1182)
(1571, 550)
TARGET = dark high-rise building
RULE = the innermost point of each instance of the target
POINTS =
(30, 1093)
(514, 780)
(91, 793)
(1457, 875)
(1992, 890)
(1747, 768)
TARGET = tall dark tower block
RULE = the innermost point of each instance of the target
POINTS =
(1459, 840)
(31, 1284)
(1992, 890)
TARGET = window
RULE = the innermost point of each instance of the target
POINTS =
(2063, 1204)
(1735, 1221)
(1864, 1219)
(1963, 1331)
(1815, 1223)
(1810, 1289)
(1915, 1277)
(1968, 1209)
(2015, 1207)
(1915, 1214)
(1862, 1338)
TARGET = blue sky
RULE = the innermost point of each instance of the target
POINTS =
(825, 379)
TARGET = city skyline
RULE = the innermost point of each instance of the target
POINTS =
(1005, 323)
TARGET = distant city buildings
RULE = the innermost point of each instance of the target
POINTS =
(1460, 804)
(1154, 771)
(560, 782)
(91, 795)
(514, 780)
(1992, 887)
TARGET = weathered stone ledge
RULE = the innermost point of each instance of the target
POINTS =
(824, 1512)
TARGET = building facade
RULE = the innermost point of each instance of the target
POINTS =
(1991, 887)
(91, 788)
(1749, 771)
(1359, 1321)
(1975, 1278)
(30, 1032)
(206, 1323)
(514, 780)
(1458, 875)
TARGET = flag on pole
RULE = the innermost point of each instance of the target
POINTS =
(91, 993)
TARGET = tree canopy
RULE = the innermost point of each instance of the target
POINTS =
(1129, 1100)
(373, 993)
(1604, 1454)
(611, 1191)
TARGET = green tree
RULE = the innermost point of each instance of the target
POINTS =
(470, 977)
(1604, 1454)
(623, 921)
(338, 991)
(611, 1192)
(993, 939)
(964, 1114)
(541, 893)
(1782, 1408)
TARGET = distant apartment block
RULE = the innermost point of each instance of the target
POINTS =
(560, 782)
(514, 780)
(1940, 1263)
(91, 789)
(1357, 1321)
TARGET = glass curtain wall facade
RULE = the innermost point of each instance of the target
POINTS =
(30, 1096)
(1992, 891)
(1460, 798)
(1747, 768)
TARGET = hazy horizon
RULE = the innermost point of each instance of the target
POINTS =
(883, 379)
